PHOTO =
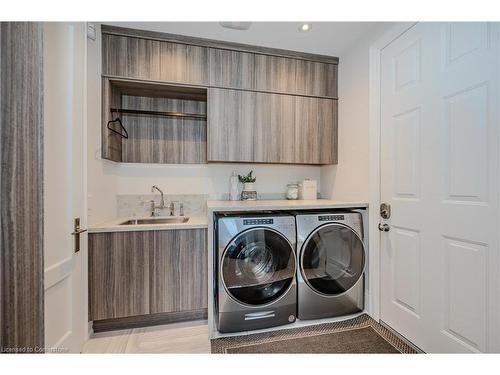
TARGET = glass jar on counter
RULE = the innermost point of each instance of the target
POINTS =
(292, 191)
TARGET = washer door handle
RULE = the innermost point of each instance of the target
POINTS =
(260, 315)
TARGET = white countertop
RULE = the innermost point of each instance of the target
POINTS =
(197, 221)
(280, 205)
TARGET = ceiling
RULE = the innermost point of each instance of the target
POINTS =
(326, 38)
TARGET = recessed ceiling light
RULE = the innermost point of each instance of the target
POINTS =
(236, 25)
(305, 27)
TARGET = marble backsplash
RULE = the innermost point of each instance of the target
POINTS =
(194, 204)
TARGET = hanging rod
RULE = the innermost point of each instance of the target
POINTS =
(194, 116)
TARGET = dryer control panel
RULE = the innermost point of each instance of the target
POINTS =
(331, 218)
(258, 221)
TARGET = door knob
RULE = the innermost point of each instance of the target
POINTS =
(383, 227)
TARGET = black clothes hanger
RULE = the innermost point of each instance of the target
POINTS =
(122, 127)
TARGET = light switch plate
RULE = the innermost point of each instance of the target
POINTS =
(91, 33)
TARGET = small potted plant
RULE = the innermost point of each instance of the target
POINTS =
(248, 193)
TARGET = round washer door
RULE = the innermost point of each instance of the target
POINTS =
(332, 259)
(258, 266)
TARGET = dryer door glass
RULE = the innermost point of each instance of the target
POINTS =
(258, 266)
(332, 259)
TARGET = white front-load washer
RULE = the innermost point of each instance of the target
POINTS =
(331, 264)
(255, 271)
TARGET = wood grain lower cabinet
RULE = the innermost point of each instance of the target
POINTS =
(194, 269)
(119, 274)
(149, 272)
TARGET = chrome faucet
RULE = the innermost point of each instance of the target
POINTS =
(162, 201)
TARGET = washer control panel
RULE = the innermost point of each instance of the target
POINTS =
(258, 221)
(331, 217)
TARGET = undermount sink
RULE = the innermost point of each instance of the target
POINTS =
(157, 220)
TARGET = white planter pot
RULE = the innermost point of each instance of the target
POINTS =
(249, 186)
(249, 193)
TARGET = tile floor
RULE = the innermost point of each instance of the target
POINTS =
(188, 337)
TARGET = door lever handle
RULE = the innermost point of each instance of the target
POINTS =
(76, 233)
(383, 227)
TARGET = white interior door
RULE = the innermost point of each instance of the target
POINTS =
(439, 173)
(64, 185)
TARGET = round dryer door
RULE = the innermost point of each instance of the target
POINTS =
(258, 266)
(332, 259)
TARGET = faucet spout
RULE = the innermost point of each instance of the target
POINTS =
(162, 201)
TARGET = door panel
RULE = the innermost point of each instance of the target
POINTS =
(64, 185)
(439, 172)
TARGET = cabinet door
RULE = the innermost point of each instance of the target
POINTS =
(193, 269)
(275, 74)
(184, 63)
(315, 130)
(165, 272)
(316, 79)
(274, 138)
(230, 125)
(232, 69)
(179, 271)
(130, 57)
(119, 274)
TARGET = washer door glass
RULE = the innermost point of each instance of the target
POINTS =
(258, 266)
(332, 259)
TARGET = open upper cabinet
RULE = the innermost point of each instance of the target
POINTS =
(154, 123)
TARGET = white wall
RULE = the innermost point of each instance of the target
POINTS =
(107, 179)
(349, 179)
(210, 179)
(101, 174)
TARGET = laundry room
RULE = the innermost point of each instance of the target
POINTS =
(286, 185)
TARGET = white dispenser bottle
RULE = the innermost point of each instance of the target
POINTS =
(233, 187)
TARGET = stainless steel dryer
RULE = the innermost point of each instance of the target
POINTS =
(332, 260)
(256, 268)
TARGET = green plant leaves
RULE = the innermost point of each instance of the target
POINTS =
(247, 178)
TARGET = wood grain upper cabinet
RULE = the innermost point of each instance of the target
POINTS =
(274, 129)
(315, 130)
(275, 74)
(232, 69)
(261, 127)
(130, 57)
(316, 78)
(119, 274)
(230, 125)
(184, 63)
